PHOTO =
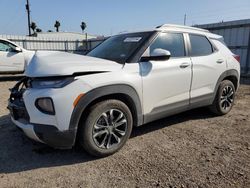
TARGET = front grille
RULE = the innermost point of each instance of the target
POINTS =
(16, 104)
(18, 110)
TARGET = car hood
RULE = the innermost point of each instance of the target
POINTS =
(47, 63)
(28, 55)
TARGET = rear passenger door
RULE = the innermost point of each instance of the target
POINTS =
(208, 65)
(166, 83)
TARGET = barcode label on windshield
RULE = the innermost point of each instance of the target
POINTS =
(132, 39)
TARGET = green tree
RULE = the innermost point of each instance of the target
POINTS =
(57, 25)
(83, 26)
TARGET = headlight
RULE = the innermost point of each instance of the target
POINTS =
(45, 105)
(51, 83)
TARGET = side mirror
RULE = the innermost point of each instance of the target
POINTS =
(17, 49)
(158, 54)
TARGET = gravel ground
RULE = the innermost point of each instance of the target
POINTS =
(192, 149)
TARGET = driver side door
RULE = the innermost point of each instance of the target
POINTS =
(10, 60)
(166, 83)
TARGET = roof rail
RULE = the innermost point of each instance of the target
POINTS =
(183, 27)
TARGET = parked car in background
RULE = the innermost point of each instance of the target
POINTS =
(128, 80)
(13, 58)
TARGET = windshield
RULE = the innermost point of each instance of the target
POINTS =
(120, 47)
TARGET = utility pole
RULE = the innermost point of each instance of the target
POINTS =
(185, 19)
(28, 12)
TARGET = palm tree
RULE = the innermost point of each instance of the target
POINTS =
(83, 26)
(57, 25)
(33, 26)
(38, 30)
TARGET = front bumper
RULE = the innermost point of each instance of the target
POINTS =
(48, 134)
(28, 129)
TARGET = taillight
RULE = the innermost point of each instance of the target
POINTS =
(237, 57)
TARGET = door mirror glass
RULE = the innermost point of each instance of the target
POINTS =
(157, 54)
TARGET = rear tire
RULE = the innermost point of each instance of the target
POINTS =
(224, 99)
(106, 128)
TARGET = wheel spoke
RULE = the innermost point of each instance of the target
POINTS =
(99, 126)
(222, 97)
(225, 105)
(230, 100)
(111, 112)
(109, 141)
(104, 141)
(100, 133)
(231, 93)
(122, 122)
(117, 138)
(119, 117)
(222, 101)
(121, 132)
(105, 117)
(228, 103)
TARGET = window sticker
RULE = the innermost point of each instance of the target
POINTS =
(132, 39)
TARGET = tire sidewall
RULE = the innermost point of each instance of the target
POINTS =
(87, 129)
(224, 84)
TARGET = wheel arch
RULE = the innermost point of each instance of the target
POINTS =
(125, 93)
(231, 75)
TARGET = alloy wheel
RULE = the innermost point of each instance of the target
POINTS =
(109, 129)
(227, 98)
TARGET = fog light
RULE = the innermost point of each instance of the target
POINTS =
(45, 105)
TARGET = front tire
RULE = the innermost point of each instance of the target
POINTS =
(106, 129)
(224, 99)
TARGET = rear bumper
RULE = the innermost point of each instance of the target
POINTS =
(47, 134)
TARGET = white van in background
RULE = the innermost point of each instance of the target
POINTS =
(13, 58)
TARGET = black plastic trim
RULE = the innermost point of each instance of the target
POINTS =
(102, 92)
(166, 110)
(51, 136)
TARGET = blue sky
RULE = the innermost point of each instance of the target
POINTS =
(114, 16)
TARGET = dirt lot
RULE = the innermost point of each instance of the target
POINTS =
(193, 149)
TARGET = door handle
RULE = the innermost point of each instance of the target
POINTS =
(184, 65)
(220, 61)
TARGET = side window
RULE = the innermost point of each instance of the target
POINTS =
(5, 46)
(200, 45)
(173, 42)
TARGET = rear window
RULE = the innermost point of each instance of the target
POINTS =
(200, 45)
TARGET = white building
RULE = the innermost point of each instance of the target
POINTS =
(66, 36)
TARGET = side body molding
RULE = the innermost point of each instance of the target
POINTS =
(94, 94)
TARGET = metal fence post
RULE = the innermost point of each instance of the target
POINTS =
(66, 46)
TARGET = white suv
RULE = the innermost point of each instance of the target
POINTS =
(129, 80)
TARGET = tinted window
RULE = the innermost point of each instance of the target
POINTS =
(5, 46)
(173, 42)
(200, 45)
(119, 48)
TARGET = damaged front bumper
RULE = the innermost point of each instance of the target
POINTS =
(47, 134)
